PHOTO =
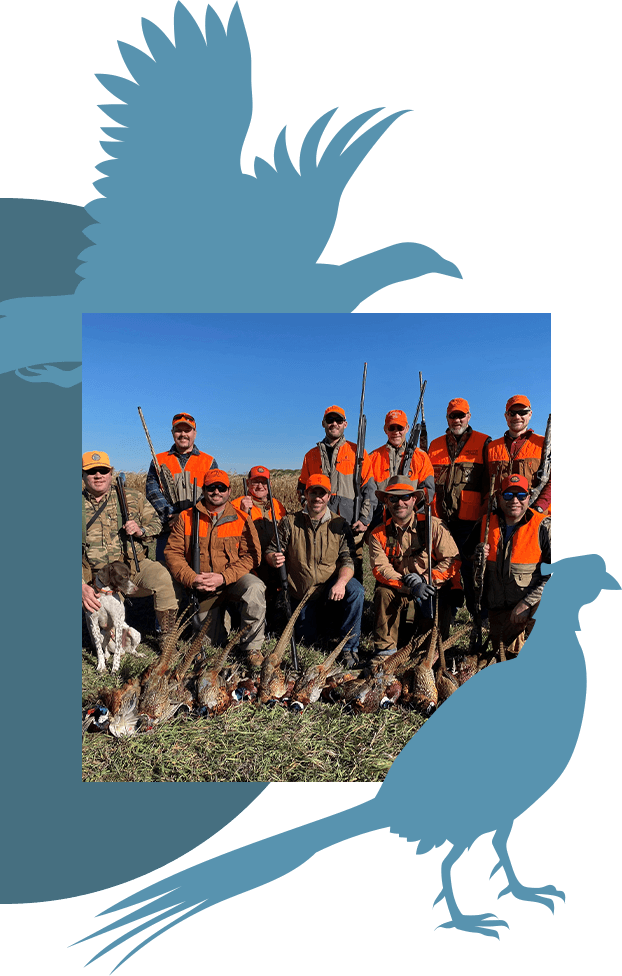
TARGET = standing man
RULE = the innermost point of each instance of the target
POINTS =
(229, 550)
(185, 462)
(519, 539)
(399, 560)
(257, 505)
(335, 457)
(318, 547)
(106, 539)
(459, 458)
(519, 451)
(386, 460)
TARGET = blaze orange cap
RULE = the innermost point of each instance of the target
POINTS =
(184, 418)
(335, 409)
(523, 400)
(95, 459)
(395, 417)
(215, 474)
(514, 481)
(458, 404)
(318, 479)
(258, 472)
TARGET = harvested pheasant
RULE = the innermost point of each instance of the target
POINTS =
(273, 684)
(309, 685)
(214, 694)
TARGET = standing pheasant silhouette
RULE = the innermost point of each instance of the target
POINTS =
(180, 227)
(522, 760)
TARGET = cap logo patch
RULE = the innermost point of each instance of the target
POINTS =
(95, 457)
(514, 478)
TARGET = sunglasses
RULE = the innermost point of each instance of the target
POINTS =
(394, 427)
(183, 416)
(456, 415)
(333, 419)
(99, 471)
(509, 495)
(518, 413)
(401, 498)
(210, 489)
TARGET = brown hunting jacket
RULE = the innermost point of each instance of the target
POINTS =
(228, 545)
(313, 553)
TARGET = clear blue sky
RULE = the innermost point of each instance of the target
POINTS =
(258, 385)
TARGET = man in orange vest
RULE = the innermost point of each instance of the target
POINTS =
(399, 561)
(229, 551)
(519, 451)
(185, 462)
(256, 504)
(519, 540)
(386, 461)
(459, 459)
(335, 457)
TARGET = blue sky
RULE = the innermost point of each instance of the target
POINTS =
(258, 385)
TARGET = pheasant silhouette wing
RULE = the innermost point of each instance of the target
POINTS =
(216, 880)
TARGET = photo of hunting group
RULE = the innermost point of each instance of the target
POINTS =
(404, 570)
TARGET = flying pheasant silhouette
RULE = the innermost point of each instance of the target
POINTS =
(521, 761)
(180, 227)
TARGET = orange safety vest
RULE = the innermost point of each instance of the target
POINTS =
(394, 553)
(256, 513)
(525, 550)
(462, 478)
(197, 465)
(525, 463)
(420, 466)
(344, 466)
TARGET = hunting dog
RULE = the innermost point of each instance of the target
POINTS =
(110, 618)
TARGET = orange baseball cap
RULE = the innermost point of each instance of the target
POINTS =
(215, 474)
(335, 409)
(396, 417)
(318, 479)
(95, 459)
(523, 400)
(458, 404)
(258, 472)
(514, 481)
(184, 418)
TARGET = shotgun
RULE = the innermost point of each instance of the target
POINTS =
(195, 553)
(423, 440)
(413, 440)
(543, 474)
(125, 514)
(360, 454)
(282, 571)
(166, 487)
(479, 572)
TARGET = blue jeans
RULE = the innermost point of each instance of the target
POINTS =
(343, 615)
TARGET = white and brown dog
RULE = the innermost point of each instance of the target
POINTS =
(110, 618)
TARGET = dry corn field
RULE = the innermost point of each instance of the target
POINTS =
(248, 742)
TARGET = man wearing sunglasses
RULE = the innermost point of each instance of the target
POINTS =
(335, 457)
(105, 539)
(399, 561)
(519, 540)
(230, 551)
(185, 462)
(519, 451)
(459, 458)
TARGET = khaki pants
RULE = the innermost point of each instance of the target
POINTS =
(249, 592)
(512, 635)
(155, 578)
(388, 606)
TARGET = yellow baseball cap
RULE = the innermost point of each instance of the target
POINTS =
(95, 459)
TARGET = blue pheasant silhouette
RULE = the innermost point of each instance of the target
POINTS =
(181, 228)
(521, 760)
